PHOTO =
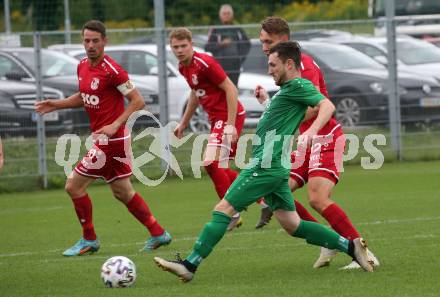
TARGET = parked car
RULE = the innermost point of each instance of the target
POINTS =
(17, 111)
(66, 48)
(140, 61)
(357, 85)
(413, 55)
(59, 72)
(318, 33)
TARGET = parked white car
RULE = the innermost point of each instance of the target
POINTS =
(141, 62)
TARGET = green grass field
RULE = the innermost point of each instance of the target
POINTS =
(396, 208)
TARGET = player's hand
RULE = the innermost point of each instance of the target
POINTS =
(261, 94)
(178, 131)
(306, 138)
(231, 133)
(45, 106)
(108, 130)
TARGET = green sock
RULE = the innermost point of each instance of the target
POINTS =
(318, 234)
(211, 234)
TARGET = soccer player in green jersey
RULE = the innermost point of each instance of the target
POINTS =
(268, 171)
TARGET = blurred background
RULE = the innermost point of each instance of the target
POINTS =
(40, 44)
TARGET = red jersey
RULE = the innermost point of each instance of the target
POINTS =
(311, 71)
(102, 89)
(203, 75)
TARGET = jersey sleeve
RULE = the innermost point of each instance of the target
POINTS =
(214, 72)
(312, 75)
(305, 92)
(121, 81)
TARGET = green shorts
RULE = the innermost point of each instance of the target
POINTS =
(250, 186)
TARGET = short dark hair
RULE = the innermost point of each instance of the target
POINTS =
(276, 25)
(94, 25)
(288, 50)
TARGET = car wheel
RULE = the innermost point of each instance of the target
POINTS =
(199, 122)
(349, 111)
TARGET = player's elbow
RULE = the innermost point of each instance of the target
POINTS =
(329, 105)
(141, 104)
(138, 102)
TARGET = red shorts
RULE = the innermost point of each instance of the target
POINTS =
(323, 159)
(216, 135)
(108, 161)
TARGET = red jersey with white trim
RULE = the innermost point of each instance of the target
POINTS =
(311, 71)
(102, 88)
(203, 75)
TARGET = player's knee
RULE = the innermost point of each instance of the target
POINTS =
(317, 199)
(123, 195)
(72, 190)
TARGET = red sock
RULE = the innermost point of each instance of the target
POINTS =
(232, 174)
(139, 209)
(84, 212)
(219, 177)
(340, 222)
(303, 213)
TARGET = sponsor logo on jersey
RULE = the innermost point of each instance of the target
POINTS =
(91, 100)
(95, 83)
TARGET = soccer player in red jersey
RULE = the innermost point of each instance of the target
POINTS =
(215, 92)
(102, 87)
(319, 165)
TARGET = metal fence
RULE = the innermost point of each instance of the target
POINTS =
(361, 96)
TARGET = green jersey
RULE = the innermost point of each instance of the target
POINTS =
(280, 120)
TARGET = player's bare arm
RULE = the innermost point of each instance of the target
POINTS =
(46, 106)
(136, 102)
(231, 98)
(190, 109)
(326, 110)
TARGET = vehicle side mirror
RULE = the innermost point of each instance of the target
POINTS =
(381, 59)
(16, 75)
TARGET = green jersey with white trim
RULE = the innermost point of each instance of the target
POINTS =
(280, 120)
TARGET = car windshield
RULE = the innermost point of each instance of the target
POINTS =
(342, 57)
(256, 60)
(53, 63)
(413, 52)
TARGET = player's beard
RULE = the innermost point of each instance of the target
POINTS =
(281, 79)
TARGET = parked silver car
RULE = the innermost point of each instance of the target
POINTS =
(141, 62)
(413, 55)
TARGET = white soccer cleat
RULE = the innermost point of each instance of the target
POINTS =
(354, 265)
(361, 254)
(325, 257)
(175, 267)
(372, 258)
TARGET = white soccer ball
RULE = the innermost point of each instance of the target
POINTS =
(118, 272)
